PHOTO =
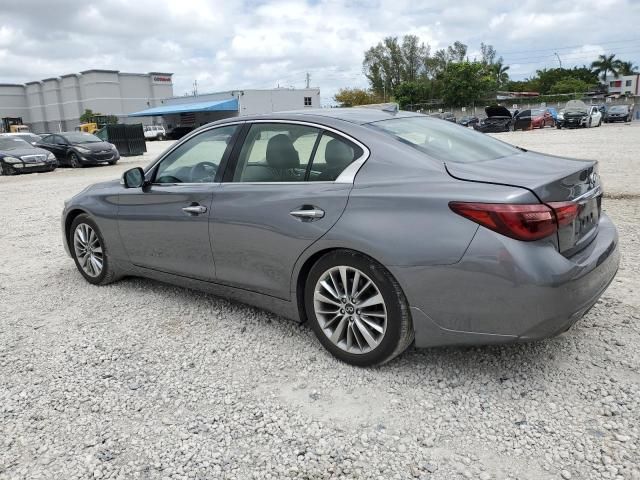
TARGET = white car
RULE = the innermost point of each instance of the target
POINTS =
(154, 132)
(32, 138)
(579, 114)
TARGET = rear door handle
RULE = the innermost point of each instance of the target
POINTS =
(194, 209)
(313, 213)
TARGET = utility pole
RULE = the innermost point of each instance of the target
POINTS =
(308, 79)
(559, 61)
(195, 88)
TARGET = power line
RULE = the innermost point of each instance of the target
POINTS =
(633, 40)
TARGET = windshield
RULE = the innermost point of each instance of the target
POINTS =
(7, 143)
(81, 137)
(445, 141)
(618, 109)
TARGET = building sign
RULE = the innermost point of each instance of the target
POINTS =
(161, 79)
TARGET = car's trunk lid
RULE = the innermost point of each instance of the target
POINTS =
(551, 179)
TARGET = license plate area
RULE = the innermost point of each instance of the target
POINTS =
(588, 216)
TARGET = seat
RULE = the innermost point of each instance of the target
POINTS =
(282, 158)
(337, 155)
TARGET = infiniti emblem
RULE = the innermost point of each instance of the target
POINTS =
(593, 180)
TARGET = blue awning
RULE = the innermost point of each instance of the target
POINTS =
(229, 105)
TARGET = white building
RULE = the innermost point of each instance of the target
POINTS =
(193, 111)
(623, 84)
(55, 104)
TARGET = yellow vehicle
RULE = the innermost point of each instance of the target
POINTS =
(13, 125)
(87, 127)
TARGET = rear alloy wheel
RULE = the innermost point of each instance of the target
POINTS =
(88, 250)
(74, 161)
(357, 309)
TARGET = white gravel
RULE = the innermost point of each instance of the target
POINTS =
(143, 380)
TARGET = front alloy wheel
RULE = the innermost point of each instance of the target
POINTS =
(89, 251)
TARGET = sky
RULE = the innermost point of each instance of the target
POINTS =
(225, 45)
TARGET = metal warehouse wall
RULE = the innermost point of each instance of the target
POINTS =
(57, 103)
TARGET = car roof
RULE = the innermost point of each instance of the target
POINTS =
(357, 115)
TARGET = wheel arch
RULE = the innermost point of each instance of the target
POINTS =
(304, 265)
(71, 216)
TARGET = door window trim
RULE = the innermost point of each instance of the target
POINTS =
(348, 175)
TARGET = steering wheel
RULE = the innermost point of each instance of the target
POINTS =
(203, 172)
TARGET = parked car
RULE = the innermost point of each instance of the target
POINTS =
(578, 114)
(468, 121)
(448, 116)
(77, 149)
(19, 156)
(28, 137)
(378, 228)
(554, 113)
(499, 119)
(619, 113)
(154, 132)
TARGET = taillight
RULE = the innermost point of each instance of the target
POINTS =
(527, 222)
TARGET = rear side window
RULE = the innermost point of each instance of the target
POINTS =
(445, 141)
(333, 154)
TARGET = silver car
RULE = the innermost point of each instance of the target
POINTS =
(380, 229)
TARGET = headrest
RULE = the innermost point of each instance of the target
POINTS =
(338, 154)
(281, 154)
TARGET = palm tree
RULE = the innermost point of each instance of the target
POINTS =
(500, 72)
(627, 68)
(606, 64)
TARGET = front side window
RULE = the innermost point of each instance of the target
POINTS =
(197, 160)
(276, 152)
(445, 141)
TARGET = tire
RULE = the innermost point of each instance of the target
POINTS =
(558, 126)
(74, 161)
(107, 274)
(397, 328)
(112, 162)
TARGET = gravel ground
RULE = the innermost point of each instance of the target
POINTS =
(143, 380)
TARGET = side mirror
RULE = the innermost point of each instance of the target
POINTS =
(133, 178)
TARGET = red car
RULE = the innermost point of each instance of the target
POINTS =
(541, 117)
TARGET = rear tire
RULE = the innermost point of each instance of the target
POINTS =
(87, 265)
(112, 162)
(359, 332)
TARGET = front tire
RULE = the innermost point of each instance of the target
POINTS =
(89, 251)
(74, 161)
(357, 309)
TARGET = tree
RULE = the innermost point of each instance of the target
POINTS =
(488, 54)
(465, 82)
(569, 85)
(500, 73)
(605, 64)
(391, 62)
(627, 68)
(351, 97)
(87, 116)
(410, 94)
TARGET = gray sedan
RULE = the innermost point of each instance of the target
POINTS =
(380, 229)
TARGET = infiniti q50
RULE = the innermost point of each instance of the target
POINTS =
(381, 229)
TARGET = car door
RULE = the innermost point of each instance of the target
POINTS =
(50, 143)
(286, 186)
(165, 224)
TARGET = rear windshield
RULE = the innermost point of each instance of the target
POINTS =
(445, 141)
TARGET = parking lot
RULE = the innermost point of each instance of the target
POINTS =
(142, 380)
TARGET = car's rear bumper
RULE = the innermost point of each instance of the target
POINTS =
(503, 290)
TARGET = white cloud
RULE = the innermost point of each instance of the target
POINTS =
(261, 43)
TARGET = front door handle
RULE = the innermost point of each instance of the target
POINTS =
(313, 213)
(194, 209)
